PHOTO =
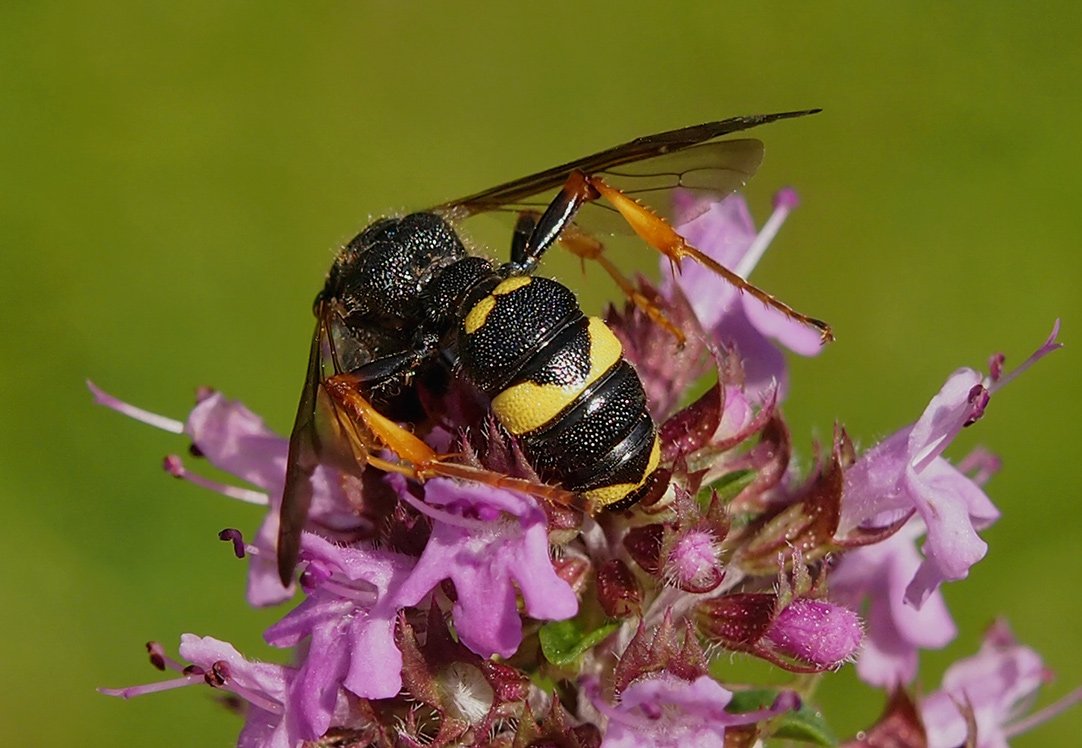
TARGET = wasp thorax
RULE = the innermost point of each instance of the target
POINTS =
(378, 278)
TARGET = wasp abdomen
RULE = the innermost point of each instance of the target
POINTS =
(558, 382)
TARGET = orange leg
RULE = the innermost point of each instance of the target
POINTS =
(420, 461)
(656, 231)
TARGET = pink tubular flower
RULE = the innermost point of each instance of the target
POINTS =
(906, 473)
(668, 712)
(725, 231)
(349, 616)
(488, 542)
(236, 440)
(267, 724)
(997, 685)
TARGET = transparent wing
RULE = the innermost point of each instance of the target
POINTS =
(649, 168)
(322, 435)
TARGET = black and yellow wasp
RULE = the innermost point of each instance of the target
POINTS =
(405, 298)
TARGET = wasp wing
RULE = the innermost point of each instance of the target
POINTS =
(322, 435)
(690, 157)
(301, 464)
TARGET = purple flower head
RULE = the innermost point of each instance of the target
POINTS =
(349, 615)
(234, 439)
(725, 231)
(896, 630)
(997, 686)
(490, 543)
(267, 723)
(906, 473)
(664, 711)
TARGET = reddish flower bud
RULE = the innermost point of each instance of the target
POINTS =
(618, 591)
(737, 622)
(644, 545)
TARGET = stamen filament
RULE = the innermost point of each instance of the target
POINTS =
(175, 467)
(1049, 345)
(101, 397)
(1050, 711)
(449, 518)
(364, 597)
(763, 239)
(165, 685)
(255, 698)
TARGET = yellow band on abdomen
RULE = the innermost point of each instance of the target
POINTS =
(527, 406)
(606, 495)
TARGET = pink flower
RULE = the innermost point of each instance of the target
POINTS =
(349, 616)
(906, 472)
(725, 231)
(998, 685)
(665, 711)
(234, 439)
(488, 542)
(263, 686)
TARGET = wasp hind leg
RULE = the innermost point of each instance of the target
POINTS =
(659, 234)
(418, 460)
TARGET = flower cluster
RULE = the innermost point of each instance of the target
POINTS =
(453, 613)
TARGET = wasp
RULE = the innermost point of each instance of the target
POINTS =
(405, 299)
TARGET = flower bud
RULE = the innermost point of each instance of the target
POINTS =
(693, 562)
(644, 545)
(618, 590)
(816, 632)
(737, 622)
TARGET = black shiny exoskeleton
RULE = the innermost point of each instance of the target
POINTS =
(409, 297)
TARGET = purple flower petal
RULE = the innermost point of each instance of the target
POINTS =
(350, 617)
(488, 561)
(906, 471)
(997, 684)
(667, 712)
(724, 230)
(896, 631)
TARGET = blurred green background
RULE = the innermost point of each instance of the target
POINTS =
(175, 180)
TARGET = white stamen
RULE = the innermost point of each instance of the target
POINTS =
(255, 698)
(101, 397)
(1050, 711)
(1050, 344)
(762, 241)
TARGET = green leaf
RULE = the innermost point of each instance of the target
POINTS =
(752, 699)
(806, 724)
(730, 484)
(562, 642)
